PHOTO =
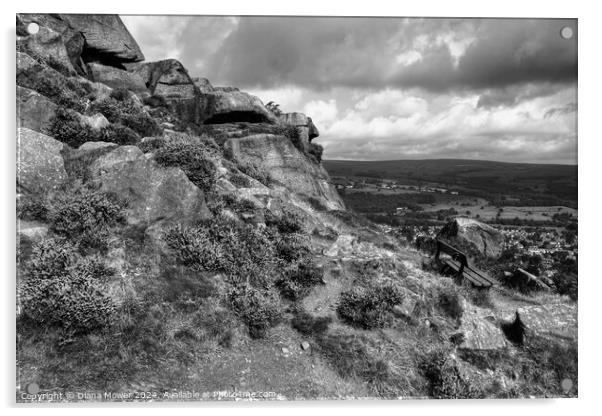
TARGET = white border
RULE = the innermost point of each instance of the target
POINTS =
(589, 114)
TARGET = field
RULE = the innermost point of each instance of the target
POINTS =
(500, 183)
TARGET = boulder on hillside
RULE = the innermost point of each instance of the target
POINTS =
(116, 78)
(286, 164)
(34, 111)
(479, 330)
(40, 165)
(473, 236)
(153, 193)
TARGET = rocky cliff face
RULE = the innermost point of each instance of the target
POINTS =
(99, 53)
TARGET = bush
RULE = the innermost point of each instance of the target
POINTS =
(316, 151)
(32, 209)
(127, 114)
(116, 133)
(60, 290)
(240, 181)
(190, 157)
(370, 306)
(566, 284)
(254, 172)
(83, 214)
(288, 222)
(66, 127)
(258, 309)
(298, 281)
(445, 380)
(152, 144)
(241, 251)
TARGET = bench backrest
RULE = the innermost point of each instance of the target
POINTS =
(455, 254)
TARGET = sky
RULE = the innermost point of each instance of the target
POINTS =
(394, 88)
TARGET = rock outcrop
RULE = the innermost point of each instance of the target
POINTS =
(116, 78)
(34, 111)
(305, 126)
(286, 164)
(473, 236)
(80, 38)
(153, 193)
(107, 40)
(40, 166)
(226, 106)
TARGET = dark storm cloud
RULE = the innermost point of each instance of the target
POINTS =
(364, 52)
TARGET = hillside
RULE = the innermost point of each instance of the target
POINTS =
(534, 184)
(181, 241)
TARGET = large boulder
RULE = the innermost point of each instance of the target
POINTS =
(473, 236)
(286, 164)
(34, 111)
(170, 80)
(48, 45)
(40, 165)
(231, 105)
(479, 330)
(107, 40)
(72, 40)
(116, 78)
(154, 194)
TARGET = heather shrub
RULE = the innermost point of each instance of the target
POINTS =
(191, 158)
(126, 113)
(369, 306)
(152, 144)
(60, 289)
(254, 172)
(259, 309)
(33, 209)
(83, 214)
(66, 127)
(117, 133)
(240, 181)
(287, 223)
(241, 251)
(297, 281)
(444, 378)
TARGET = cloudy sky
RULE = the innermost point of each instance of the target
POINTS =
(394, 88)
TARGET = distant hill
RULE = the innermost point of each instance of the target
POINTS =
(533, 184)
